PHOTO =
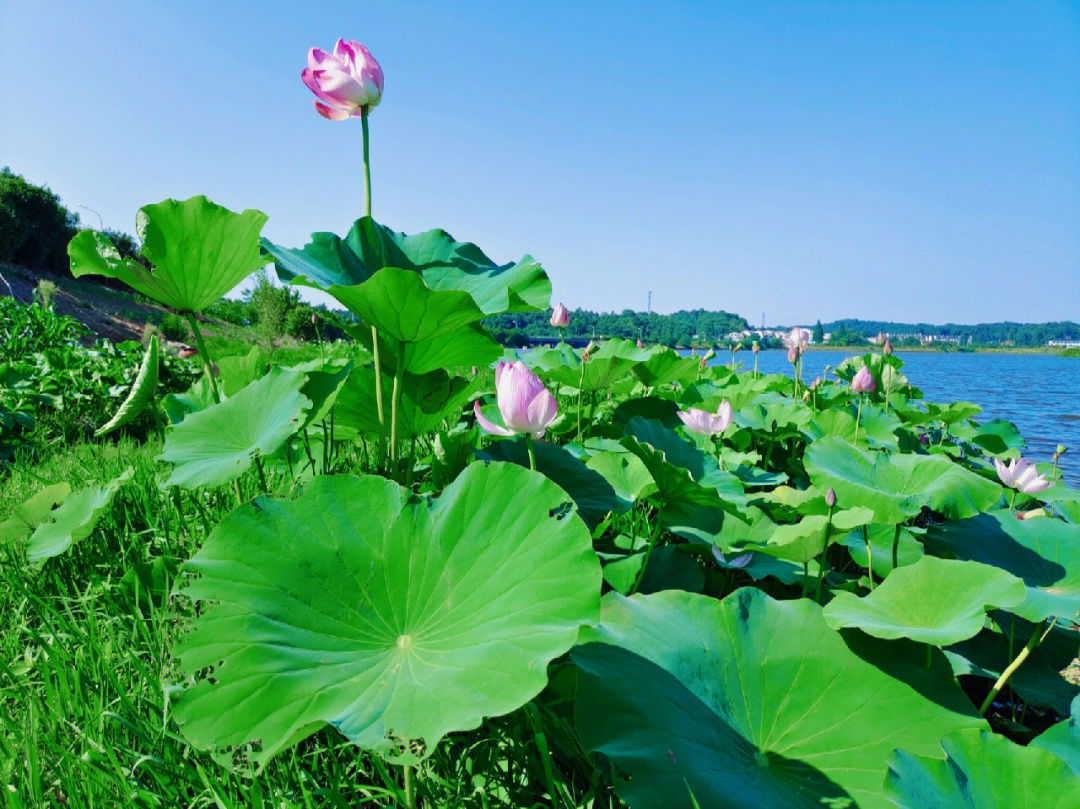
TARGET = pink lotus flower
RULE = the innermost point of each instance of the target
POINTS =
(525, 404)
(349, 80)
(560, 318)
(639, 344)
(798, 339)
(1022, 476)
(792, 354)
(863, 381)
(705, 423)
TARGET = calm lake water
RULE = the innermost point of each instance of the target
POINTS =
(1038, 393)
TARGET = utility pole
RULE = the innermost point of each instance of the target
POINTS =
(650, 301)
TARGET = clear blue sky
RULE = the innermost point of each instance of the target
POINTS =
(908, 161)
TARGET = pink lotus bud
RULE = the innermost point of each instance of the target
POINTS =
(863, 381)
(560, 318)
(525, 404)
(349, 80)
(887, 349)
(815, 383)
(704, 422)
(1021, 476)
(798, 339)
(792, 354)
(639, 343)
(830, 497)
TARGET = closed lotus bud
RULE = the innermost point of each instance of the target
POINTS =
(755, 346)
(792, 354)
(588, 350)
(737, 347)
(560, 317)
(830, 497)
(525, 404)
(887, 350)
(863, 381)
(1061, 450)
(815, 383)
(312, 318)
(639, 343)
(349, 80)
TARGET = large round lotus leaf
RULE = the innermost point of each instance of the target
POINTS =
(933, 601)
(466, 346)
(625, 473)
(216, 445)
(773, 408)
(669, 568)
(664, 367)
(1063, 739)
(237, 372)
(426, 400)
(748, 702)
(982, 771)
(591, 493)
(399, 304)
(394, 618)
(74, 520)
(896, 486)
(1044, 552)
(806, 539)
(199, 251)
(606, 366)
(444, 264)
(877, 429)
(908, 550)
(141, 393)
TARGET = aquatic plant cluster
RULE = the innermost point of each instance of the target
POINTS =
(693, 584)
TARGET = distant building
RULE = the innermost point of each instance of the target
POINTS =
(1063, 343)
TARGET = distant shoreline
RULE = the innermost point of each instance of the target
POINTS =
(1061, 352)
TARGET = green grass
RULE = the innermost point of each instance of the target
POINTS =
(83, 717)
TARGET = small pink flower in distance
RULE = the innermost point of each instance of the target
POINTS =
(706, 423)
(863, 381)
(639, 343)
(1022, 476)
(349, 80)
(560, 318)
(525, 404)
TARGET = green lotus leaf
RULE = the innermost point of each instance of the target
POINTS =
(933, 601)
(625, 473)
(426, 401)
(606, 366)
(877, 429)
(199, 251)
(74, 520)
(896, 486)
(1044, 552)
(749, 702)
(648, 407)
(444, 264)
(145, 585)
(1063, 739)
(981, 771)
(593, 495)
(394, 618)
(998, 437)
(908, 550)
(400, 305)
(27, 516)
(769, 408)
(141, 393)
(466, 346)
(702, 467)
(237, 372)
(324, 382)
(178, 406)
(808, 538)
(217, 445)
(664, 367)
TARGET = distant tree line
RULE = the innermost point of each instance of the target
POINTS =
(981, 334)
(682, 328)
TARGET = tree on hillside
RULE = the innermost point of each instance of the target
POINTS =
(819, 333)
(34, 226)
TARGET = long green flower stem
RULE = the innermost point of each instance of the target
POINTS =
(581, 386)
(654, 535)
(395, 401)
(205, 357)
(869, 556)
(374, 331)
(1032, 644)
(410, 795)
(823, 558)
(895, 546)
(532, 452)
(858, 416)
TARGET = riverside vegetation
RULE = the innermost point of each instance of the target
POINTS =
(434, 572)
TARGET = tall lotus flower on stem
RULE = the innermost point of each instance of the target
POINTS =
(862, 383)
(350, 81)
(525, 404)
(705, 423)
(796, 341)
(560, 319)
(756, 348)
(1020, 476)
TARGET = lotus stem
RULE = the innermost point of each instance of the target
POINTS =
(1032, 644)
(410, 795)
(395, 398)
(262, 474)
(580, 390)
(206, 357)
(929, 655)
(895, 546)
(654, 534)
(755, 365)
(378, 390)
(824, 557)
(532, 451)
(367, 162)
(869, 557)
(858, 416)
